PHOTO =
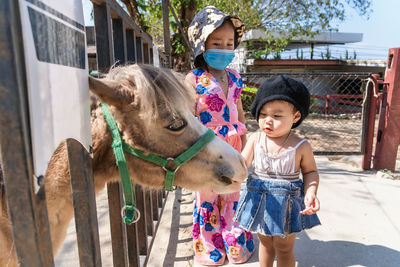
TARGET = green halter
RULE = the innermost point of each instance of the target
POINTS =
(119, 146)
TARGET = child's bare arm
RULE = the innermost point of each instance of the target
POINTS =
(310, 179)
(248, 151)
(242, 119)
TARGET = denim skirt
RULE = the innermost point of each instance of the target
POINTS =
(272, 207)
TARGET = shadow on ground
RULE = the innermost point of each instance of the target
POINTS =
(339, 253)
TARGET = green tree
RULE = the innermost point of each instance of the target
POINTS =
(280, 19)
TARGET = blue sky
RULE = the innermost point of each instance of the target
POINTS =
(380, 32)
(87, 8)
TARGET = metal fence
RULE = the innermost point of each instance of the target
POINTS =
(118, 38)
(335, 124)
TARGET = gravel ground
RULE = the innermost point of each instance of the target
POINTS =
(331, 133)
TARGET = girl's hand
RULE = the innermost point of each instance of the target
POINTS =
(312, 204)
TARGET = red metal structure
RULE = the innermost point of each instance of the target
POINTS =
(372, 100)
(388, 135)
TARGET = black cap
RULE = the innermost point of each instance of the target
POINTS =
(283, 87)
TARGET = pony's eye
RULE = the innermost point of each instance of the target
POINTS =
(177, 125)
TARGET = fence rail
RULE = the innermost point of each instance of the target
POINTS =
(335, 125)
(118, 41)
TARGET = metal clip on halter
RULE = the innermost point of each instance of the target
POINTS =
(135, 211)
(170, 172)
(171, 159)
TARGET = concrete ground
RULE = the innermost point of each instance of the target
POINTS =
(360, 218)
(68, 255)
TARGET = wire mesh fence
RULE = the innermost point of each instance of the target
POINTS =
(335, 123)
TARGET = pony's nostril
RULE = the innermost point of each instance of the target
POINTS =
(225, 179)
(224, 173)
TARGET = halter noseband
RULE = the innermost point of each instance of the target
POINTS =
(129, 212)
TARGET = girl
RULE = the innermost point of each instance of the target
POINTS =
(213, 36)
(276, 203)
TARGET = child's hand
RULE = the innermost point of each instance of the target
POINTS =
(312, 204)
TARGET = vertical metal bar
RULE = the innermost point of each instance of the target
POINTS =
(146, 53)
(133, 245)
(104, 45)
(30, 231)
(130, 46)
(160, 198)
(328, 105)
(149, 213)
(139, 49)
(388, 143)
(369, 124)
(381, 121)
(142, 49)
(164, 196)
(83, 196)
(141, 224)
(135, 45)
(46, 249)
(119, 39)
(167, 43)
(151, 56)
(154, 200)
(118, 231)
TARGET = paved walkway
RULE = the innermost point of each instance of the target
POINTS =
(360, 218)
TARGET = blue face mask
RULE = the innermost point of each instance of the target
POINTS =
(219, 58)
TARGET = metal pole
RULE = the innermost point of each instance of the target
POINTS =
(388, 136)
(370, 121)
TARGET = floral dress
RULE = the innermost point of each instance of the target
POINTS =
(217, 111)
(215, 234)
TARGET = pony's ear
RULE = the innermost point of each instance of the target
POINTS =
(111, 92)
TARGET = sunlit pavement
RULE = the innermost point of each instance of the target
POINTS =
(360, 217)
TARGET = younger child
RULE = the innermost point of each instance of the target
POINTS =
(276, 203)
(213, 36)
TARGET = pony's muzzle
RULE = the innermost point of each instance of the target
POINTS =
(240, 173)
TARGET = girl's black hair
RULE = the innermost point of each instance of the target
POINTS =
(200, 62)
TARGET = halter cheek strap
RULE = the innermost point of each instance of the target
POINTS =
(129, 212)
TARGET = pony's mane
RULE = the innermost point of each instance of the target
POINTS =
(153, 84)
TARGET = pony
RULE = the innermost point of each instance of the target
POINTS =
(153, 109)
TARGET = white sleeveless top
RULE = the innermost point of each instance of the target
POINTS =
(275, 166)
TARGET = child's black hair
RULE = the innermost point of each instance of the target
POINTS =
(283, 87)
